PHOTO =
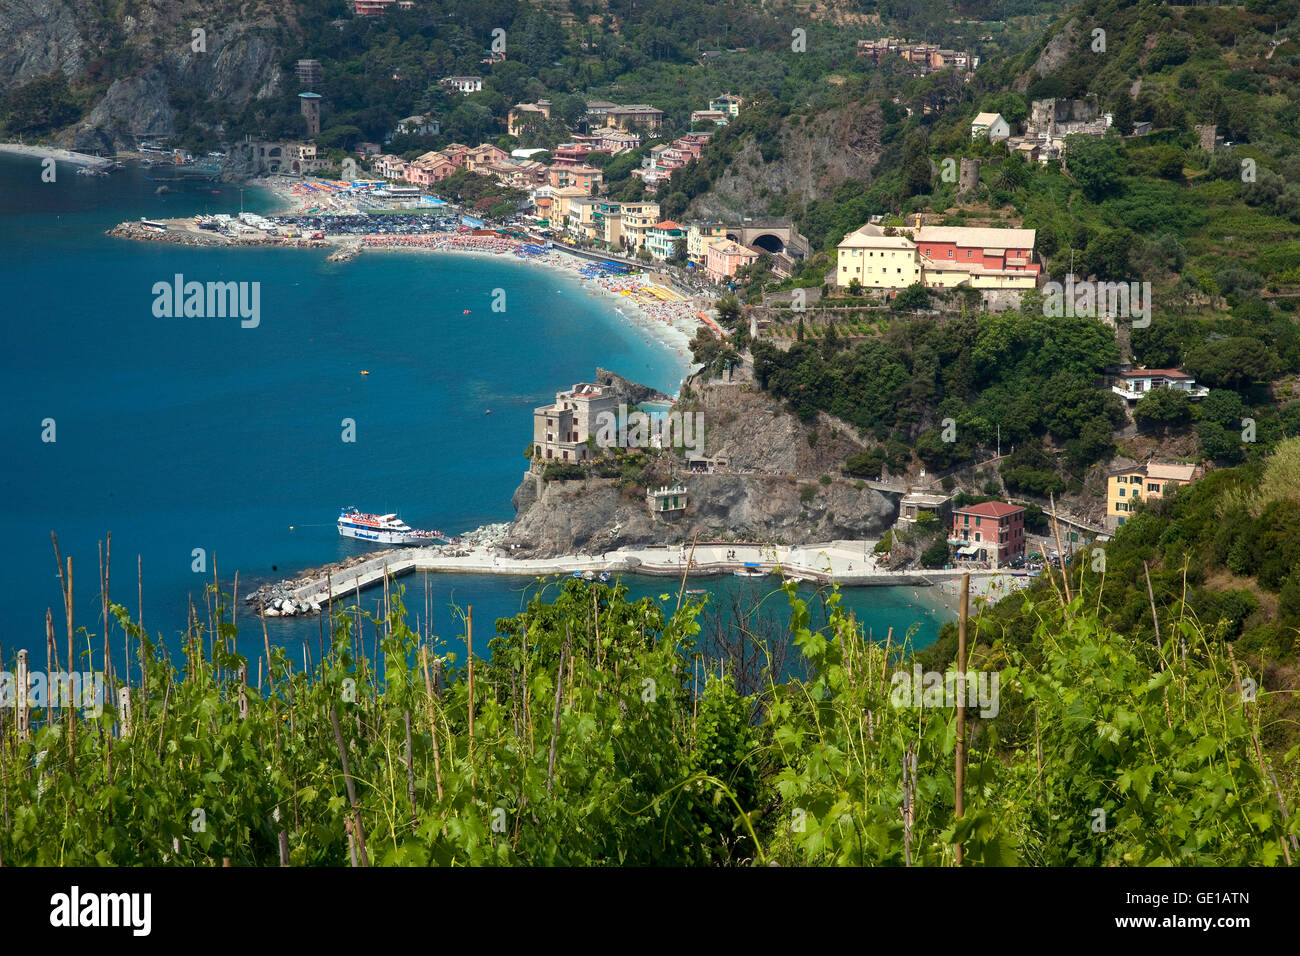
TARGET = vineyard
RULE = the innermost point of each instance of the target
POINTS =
(596, 732)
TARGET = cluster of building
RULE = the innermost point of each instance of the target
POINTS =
(664, 158)
(924, 58)
(1050, 121)
(722, 110)
(892, 258)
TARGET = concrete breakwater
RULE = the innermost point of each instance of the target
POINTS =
(848, 563)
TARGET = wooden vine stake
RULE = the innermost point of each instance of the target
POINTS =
(24, 717)
(959, 790)
(469, 654)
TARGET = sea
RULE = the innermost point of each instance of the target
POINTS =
(205, 447)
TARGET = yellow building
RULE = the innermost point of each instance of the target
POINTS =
(638, 217)
(876, 260)
(699, 236)
(1128, 488)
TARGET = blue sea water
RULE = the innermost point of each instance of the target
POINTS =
(178, 434)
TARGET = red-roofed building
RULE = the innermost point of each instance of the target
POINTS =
(992, 532)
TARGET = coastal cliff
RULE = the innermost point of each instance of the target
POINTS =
(148, 51)
(781, 483)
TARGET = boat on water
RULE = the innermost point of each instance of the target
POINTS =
(604, 576)
(750, 570)
(382, 529)
(695, 592)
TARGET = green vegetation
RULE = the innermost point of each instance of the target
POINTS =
(586, 740)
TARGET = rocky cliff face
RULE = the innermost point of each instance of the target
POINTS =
(153, 48)
(596, 516)
(817, 154)
(38, 37)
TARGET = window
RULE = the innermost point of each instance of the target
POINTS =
(967, 253)
(977, 521)
(949, 253)
(1121, 479)
(1122, 492)
(1153, 487)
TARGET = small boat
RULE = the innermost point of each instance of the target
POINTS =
(696, 591)
(365, 372)
(465, 312)
(604, 575)
(588, 575)
(750, 570)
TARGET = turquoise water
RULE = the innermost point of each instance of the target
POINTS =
(178, 434)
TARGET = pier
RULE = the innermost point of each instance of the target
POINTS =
(848, 563)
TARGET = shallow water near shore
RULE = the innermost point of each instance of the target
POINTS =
(186, 434)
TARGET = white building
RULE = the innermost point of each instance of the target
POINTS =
(991, 125)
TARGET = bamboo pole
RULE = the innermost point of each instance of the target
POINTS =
(959, 790)
(555, 728)
(433, 723)
(410, 772)
(469, 653)
(1056, 530)
(351, 787)
(24, 716)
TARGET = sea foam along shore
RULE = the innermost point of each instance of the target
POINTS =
(53, 152)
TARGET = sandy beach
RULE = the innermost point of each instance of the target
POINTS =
(659, 314)
(54, 152)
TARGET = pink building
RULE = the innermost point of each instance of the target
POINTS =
(980, 250)
(724, 258)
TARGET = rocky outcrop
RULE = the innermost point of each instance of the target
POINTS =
(132, 108)
(150, 55)
(595, 515)
(755, 432)
(1055, 53)
(628, 391)
(38, 37)
(817, 154)
(780, 486)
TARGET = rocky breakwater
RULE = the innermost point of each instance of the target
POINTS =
(137, 230)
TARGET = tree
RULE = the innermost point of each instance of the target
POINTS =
(1095, 163)
(1012, 174)
(936, 555)
(1234, 362)
(1163, 408)
(728, 308)
(916, 296)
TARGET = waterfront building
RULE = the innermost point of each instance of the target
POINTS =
(561, 430)
(1127, 487)
(607, 218)
(725, 257)
(661, 239)
(638, 217)
(992, 532)
(699, 235)
(666, 503)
